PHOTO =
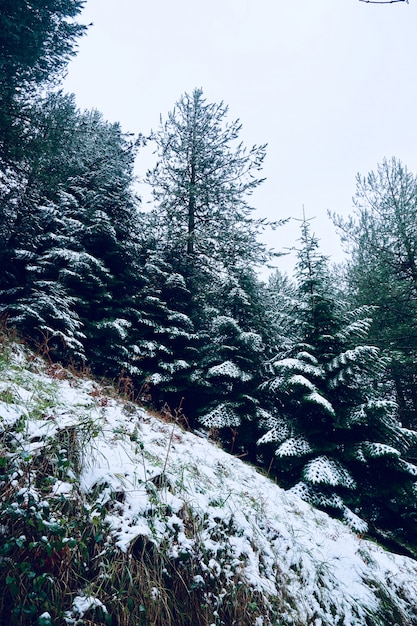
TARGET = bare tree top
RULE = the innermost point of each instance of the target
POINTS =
(382, 1)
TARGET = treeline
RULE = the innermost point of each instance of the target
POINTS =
(311, 376)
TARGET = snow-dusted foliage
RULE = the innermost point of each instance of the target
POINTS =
(108, 512)
(227, 369)
(381, 235)
(70, 254)
(344, 448)
(164, 331)
(201, 185)
(222, 416)
(228, 376)
(277, 427)
(373, 450)
(324, 471)
(38, 41)
(294, 446)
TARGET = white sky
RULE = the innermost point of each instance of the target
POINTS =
(330, 85)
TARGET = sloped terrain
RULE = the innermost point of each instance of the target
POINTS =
(111, 515)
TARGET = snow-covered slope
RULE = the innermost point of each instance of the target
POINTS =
(150, 524)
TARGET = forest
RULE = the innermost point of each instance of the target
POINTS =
(311, 377)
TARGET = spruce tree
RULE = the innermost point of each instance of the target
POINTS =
(164, 333)
(338, 442)
(71, 247)
(226, 383)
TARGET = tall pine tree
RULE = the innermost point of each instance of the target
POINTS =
(201, 185)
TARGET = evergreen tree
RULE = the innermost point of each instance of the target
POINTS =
(35, 182)
(37, 300)
(234, 344)
(338, 441)
(201, 184)
(207, 235)
(70, 255)
(282, 311)
(37, 39)
(164, 333)
(382, 270)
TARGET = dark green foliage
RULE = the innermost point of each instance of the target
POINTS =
(338, 441)
(233, 349)
(164, 333)
(201, 184)
(71, 247)
(170, 301)
(228, 375)
(201, 175)
(382, 271)
(37, 39)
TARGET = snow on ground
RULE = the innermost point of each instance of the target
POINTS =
(156, 480)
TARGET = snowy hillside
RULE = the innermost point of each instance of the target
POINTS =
(111, 515)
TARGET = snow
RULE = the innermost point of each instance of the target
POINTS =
(10, 414)
(226, 369)
(317, 398)
(220, 417)
(298, 364)
(298, 379)
(245, 522)
(325, 471)
(82, 604)
(294, 446)
(278, 429)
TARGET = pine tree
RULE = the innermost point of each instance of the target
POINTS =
(201, 184)
(333, 423)
(39, 303)
(33, 184)
(382, 270)
(164, 333)
(71, 251)
(226, 383)
(37, 39)
(207, 235)
(106, 209)
(234, 345)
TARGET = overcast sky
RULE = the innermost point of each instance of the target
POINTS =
(330, 85)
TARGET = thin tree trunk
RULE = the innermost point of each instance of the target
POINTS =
(191, 215)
